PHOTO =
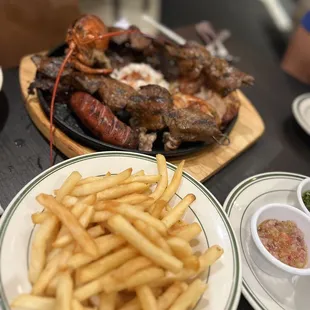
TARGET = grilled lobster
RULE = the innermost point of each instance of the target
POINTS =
(87, 39)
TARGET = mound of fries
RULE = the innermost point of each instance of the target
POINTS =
(110, 242)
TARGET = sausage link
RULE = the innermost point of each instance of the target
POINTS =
(101, 121)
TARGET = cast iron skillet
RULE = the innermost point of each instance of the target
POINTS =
(65, 119)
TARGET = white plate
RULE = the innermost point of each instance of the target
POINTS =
(262, 290)
(16, 226)
(301, 111)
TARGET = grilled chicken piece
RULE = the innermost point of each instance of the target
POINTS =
(149, 106)
(226, 107)
(223, 78)
(194, 60)
(191, 119)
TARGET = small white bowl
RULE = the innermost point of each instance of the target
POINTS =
(303, 187)
(282, 212)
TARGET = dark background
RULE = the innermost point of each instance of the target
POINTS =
(284, 146)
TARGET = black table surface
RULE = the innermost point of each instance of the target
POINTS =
(284, 146)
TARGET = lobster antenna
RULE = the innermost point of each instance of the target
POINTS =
(110, 34)
(62, 67)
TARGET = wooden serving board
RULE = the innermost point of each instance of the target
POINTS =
(248, 128)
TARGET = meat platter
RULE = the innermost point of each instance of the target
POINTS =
(157, 96)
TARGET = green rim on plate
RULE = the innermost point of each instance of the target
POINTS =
(228, 206)
(234, 295)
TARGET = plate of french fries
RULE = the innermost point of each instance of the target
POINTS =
(117, 231)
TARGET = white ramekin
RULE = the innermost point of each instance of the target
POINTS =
(282, 212)
(303, 187)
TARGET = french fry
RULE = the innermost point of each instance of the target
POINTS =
(40, 217)
(106, 244)
(132, 198)
(76, 305)
(170, 277)
(47, 274)
(103, 204)
(169, 296)
(69, 201)
(192, 294)
(165, 211)
(84, 220)
(174, 184)
(101, 216)
(135, 214)
(68, 185)
(79, 234)
(39, 246)
(131, 266)
(153, 235)
(158, 207)
(52, 254)
(109, 284)
(27, 301)
(144, 276)
(163, 182)
(210, 256)
(146, 298)
(143, 245)
(96, 231)
(51, 287)
(148, 179)
(146, 204)
(133, 304)
(77, 210)
(180, 247)
(148, 192)
(140, 172)
(105, 264)
(187, 233)
(92, 179)
(178, 211)
(191, 262)
(121, 190)
(108, 301)
(68, 251)
(100, 185)
(178, 224)
(64, 291)
(92, 288)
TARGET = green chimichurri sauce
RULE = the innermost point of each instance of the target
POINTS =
(306, 199)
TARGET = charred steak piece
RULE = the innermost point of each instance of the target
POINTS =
(191, 119)
(115, 94)
(149, 106)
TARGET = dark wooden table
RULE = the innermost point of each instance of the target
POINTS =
(284, 147)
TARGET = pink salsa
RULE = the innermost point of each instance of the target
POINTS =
(285, 241)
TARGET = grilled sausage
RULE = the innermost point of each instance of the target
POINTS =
(101, 121)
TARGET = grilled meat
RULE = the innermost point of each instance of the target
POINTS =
(149, 106)
(115, 94)
(194, 60)
(226, 107)
(191, 119)
(101, 121)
